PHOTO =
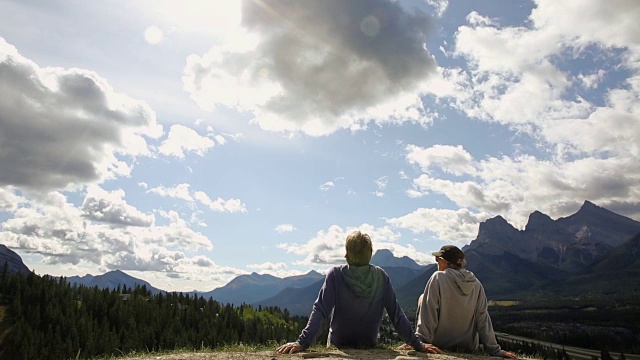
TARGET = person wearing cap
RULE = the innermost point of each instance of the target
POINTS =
(452, 312)
(354, 297)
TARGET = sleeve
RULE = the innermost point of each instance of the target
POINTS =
(322, 308)
(398, 317)
(428, 310)
(484, 326)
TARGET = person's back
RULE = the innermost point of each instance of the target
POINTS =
(359, 300)
(362, 293)
(354, 298)
(459, 305)
(453, 310)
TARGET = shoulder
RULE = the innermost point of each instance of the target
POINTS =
(378, 268)
(380, 271)
(439, 275)
(334, 271)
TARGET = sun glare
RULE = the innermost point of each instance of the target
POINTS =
(201, 16)
(153, 35)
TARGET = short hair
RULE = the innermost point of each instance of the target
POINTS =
(359, 249)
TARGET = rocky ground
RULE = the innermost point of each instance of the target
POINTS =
(376, 354)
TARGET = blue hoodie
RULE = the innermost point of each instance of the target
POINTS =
(354, 299)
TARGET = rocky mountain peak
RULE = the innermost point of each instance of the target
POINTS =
(495, 225)
(539, 221)
(384, 257)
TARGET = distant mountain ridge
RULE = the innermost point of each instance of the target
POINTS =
(549, 257)
(593, 251)
(111, 280)
(254, 287)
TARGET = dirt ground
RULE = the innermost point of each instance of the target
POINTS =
(377, 354)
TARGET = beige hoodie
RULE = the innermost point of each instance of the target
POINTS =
(452, 313)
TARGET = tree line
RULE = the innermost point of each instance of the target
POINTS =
(47, 318)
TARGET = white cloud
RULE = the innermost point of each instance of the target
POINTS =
(283, 228)
(451, 159)
(516, 187)
(267, 266)
(182, 139)
(592, 81)
(328, 247)
(474, 18)
(8, 199)
(63, 234)
(230, 206)
(180, 191)
(111, 208)
(327, 186)
(302, 68)
(382, 182)
(41, 107)
(518, 76)
(439, 5)
(460, 226)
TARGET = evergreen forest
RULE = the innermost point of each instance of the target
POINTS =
(46, 318)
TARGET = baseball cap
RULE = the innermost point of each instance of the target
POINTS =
(450, 253)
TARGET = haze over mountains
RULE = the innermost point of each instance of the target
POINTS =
(593, 251)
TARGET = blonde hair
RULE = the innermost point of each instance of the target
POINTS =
(359, 249)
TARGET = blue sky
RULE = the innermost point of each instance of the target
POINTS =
(190, 142)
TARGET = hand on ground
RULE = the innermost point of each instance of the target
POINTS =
(289, 348)
(431, 349)
(428, 348)
(506, 354)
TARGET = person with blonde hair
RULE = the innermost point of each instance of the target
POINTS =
(453, 311)
(354, 297)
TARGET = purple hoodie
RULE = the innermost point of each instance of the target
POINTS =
(354, 297)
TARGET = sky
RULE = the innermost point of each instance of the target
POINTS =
(189, 142)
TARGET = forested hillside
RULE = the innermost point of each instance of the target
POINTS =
(46, 318)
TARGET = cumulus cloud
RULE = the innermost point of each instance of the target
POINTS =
(182, 139)
(519, 76)
(284, 228)
(219, 204)
(111, 208)
(474, 18)
(320, 66)
(327, 247)
(8, 199)
(268, 266)
(183, 192)
(451, 159)
(515, 187)
(180, 191)
(439, 5)
(65, 127)
(460, 226)
(64, 234)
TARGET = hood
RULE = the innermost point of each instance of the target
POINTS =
(362, 280)
(464, 280)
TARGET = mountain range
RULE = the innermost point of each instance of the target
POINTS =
(594, 251)
(111, 280)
